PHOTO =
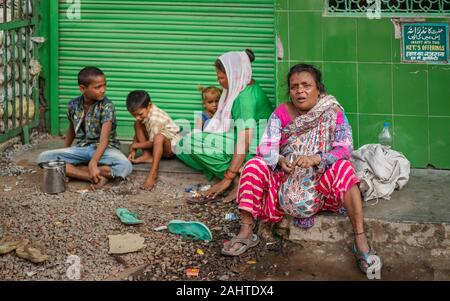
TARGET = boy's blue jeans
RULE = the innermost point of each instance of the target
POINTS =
(120, 166)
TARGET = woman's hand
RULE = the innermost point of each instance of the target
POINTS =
(307, 161)
(218, 188)
(286, 166)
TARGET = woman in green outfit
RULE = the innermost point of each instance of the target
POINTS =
(232, 135)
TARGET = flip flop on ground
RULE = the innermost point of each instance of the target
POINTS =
(127, 217)
(192, 230)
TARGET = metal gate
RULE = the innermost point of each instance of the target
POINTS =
(19, 67)
(166, 47)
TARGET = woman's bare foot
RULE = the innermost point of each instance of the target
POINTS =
(145, 158)
(100, 184)
(149, 183)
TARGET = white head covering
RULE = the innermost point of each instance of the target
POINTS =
(239, 73)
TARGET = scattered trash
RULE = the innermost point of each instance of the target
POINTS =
(127, 217)
(192, 230)
(125, 243)
(32, 273)
(198, 215)
(192, 272)
(200, 252)
(7, 188)
(160, 228)
(231, 217)
(82, 190)
(196, 194)
(205, 188)
(252, 261)
(197, 188)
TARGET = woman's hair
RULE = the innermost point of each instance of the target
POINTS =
(211, 90)
(137, 99)
(251, 57)
(311, 70)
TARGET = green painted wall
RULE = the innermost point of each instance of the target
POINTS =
(360, 61)
(167, 47)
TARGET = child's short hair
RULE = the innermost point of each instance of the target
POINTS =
(87, 73)
(211, 90)
(137, 99)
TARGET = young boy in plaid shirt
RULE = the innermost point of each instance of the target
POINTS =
(155, 133)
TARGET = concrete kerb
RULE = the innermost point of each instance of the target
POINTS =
(435, 236)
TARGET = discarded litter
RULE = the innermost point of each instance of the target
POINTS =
(252, 261)
(200, 252)
(198, 215)
(32, 273)
(160, 228)
(7, 188)
(192, 272)
(197, 188)
(231, 217)
(205, 188)
(82, 190)
(125, 243)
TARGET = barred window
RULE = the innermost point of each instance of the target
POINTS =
(388, 8)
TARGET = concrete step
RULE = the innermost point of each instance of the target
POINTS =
(329, 228)
(418, 215)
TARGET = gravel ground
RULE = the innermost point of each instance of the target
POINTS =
(74, 223)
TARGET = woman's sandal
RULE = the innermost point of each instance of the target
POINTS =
(366, 260)
(246, 243)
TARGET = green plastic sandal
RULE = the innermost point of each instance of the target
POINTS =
(192, 230)
(127, 217)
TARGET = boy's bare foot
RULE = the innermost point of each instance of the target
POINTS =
(101, 183)
(145, 158)
(149, 183)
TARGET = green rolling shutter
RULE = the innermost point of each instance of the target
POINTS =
(167, 48)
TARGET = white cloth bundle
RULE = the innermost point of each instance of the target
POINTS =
(381, 170)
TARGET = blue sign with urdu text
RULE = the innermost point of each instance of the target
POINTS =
(425, 43)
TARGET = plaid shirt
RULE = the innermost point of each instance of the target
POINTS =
(98, 113)
(159, 121)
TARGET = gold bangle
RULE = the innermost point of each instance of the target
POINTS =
(228, 177)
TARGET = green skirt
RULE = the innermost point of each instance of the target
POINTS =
(210, 153)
